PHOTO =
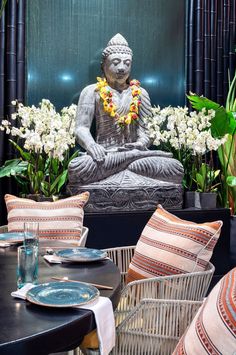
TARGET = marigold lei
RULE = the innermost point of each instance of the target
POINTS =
(109, 106)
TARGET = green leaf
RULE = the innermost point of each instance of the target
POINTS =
(203, 171)
(41, 162)
(55, 166)
(222, 123)
(74, 155)
(231, 95)
(59, 182)
(200, 102)
(13, 167)
(200, 181)
(25, 155)
(216, 173)
(231, 181)
(45, 188)
(2, 7)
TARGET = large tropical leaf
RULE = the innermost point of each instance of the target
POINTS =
(222, 123)
(200, 102)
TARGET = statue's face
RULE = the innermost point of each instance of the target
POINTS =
(117, 67)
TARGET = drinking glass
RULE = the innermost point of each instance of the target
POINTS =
(31, 233)
(27, 265)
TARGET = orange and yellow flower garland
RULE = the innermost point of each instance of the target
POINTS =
(110, 107)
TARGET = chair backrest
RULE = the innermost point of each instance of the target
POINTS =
(190, 286)
(82, 241)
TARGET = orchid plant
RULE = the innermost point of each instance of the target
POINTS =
(223, 125)
(43, 139)
(205, 178)
(186, 134)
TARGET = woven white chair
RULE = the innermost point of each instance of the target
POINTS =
(153, 327)
(141, 324)
(82, 241)
(191, 286)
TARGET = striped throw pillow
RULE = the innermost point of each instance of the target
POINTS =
(169, 245)
(62, 219)
(213, 329)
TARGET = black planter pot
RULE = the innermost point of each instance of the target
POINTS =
(191, 199)
(203, 200)
(208, 199)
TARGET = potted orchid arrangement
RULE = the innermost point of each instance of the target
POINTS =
(43, 139)
(188, 136)
(223, 125)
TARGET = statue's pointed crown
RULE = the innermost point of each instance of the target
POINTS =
(117, 40)
(117, 44)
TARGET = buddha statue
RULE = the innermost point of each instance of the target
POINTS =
(118, 155)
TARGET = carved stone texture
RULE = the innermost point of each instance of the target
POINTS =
(127, 191)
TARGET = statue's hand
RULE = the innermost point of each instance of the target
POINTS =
(97, 152)
(135, 145)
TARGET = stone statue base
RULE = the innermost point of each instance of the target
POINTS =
(127, 191)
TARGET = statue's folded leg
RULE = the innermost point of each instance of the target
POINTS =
(159, 168)
(85, 170)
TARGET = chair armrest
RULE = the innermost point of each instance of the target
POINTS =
(84, 235)
(82, 242)
(121, 256)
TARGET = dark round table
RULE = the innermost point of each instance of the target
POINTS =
(27, 329)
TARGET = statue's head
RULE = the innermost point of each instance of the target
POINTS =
(117, 60)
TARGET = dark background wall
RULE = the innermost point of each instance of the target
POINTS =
(65, 39)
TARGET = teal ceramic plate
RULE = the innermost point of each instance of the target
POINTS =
(81, 254)
(62, 294)
(12, 237)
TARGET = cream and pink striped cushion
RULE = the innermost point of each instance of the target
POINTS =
(213, 329)
(62, 219)
(169, 245)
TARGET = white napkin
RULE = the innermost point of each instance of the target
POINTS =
(21, 292)
(52, 259)
(5, 244)
(104, 317)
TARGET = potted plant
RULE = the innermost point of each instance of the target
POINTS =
(188, 136)
(43, 139)
(206, 186)
(223, 123)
